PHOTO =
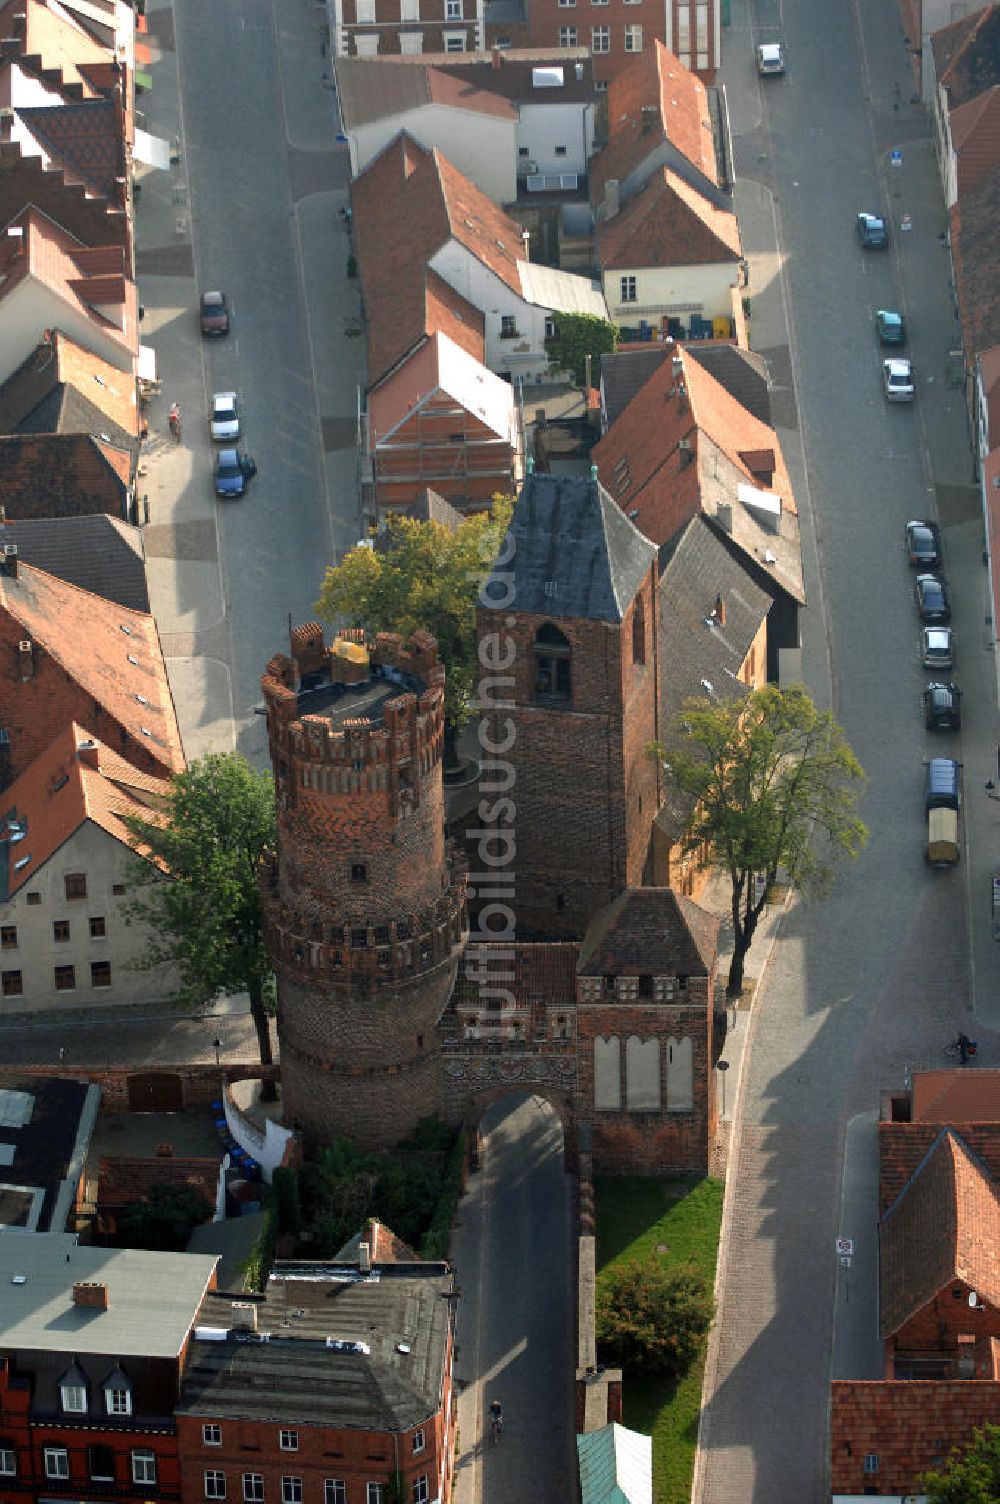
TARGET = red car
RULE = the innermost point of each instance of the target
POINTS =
(214, 313)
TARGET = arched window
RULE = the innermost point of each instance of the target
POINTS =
(553, 682)
(639, 632)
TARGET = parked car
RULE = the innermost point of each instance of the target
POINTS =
(214, 313)
(943, 846)
(923, 544)
(873, 232)
(890, 327)
(942, 707)
(933, 604)
(225, 416)
(944, 784)
(770, 58)
(937, 648)
(897, 377)
(230, 473)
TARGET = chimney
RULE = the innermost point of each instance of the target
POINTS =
(244, 1316)
(10, 559)
(588, 370)
(724, 516)
(365, 1257)
(26, 659)
(88, 755)
(92, 1294)
(496, 59)
(719, 611)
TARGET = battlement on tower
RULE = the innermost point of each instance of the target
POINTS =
(360, 706)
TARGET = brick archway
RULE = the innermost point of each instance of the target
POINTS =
(480, 1102)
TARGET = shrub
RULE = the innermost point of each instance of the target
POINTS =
(165, 1219)
(654, 1320)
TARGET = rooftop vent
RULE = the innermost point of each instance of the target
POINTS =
(211, 1333)
(342, 1345)
(244, 1316)
(547, 78)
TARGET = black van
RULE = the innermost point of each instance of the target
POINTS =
(944, 783)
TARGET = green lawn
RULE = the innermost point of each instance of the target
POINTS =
(676, 1219)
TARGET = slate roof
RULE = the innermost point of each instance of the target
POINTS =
(539, 975)
(668, 223)
(86, 139)
(654, 99)
(96, 553)
(576, 555)
(63, 388)
(64, 475)
(974, 221)
(57, 794)
(944, 1226)
(649, 931)
(967, 55)
(87, 638)
(428, 507)
(296, 1374)
(50, 1147)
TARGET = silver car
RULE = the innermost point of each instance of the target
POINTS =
(770, 58)
(225, 418)
(897, 377)
(937, 649)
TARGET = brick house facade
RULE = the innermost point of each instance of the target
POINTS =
(618, 31)
(368, 28)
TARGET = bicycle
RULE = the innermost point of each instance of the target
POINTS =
(953, 1049)
(497, 1425)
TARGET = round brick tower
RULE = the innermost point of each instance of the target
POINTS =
(364, 915)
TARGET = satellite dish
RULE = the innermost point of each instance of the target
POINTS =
(973, 1299)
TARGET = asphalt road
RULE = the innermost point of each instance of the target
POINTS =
(276, 545)
(870, 982)
(513, 1252)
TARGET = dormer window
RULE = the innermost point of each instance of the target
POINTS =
(117, 1394)
(552, 653)
(73, 1391)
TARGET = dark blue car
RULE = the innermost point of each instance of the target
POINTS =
(230, 473)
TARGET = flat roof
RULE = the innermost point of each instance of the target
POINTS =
(152, 1297)
(322, 694)
(385, 1374)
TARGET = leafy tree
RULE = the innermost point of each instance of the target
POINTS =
(429, 577)
(577, 336)
(652, 1319)
(165, 1219)
(774, 784)
(972, 1473)
(199, 894)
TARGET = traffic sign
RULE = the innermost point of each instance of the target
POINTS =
(845, 1246)
(895, 159)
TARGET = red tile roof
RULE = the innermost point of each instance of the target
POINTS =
(668, 223)
(59, 792)
(51, 34)
(85, 139)
(955, 1096)
(404, 300)
(83, 276)
(944, 1226)
(671, 934)
(652, 100)
(902, 1147)
(63, 475)
(85, 641)
(967, 55)
(908, 1425)
(58, 365)
(383, 1246)
(975, 135)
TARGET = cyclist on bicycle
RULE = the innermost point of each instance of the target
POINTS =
(496, 1417)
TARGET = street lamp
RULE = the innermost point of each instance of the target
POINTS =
(217, 1046)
